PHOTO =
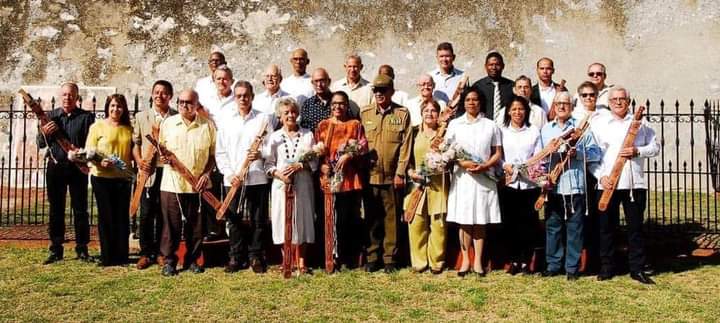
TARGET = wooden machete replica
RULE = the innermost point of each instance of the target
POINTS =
(59, 136)
(183, 171)
(620, 161)
(143, 176)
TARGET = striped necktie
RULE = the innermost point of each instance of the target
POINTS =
(497, 105)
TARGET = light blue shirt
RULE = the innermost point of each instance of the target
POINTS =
(572, 180)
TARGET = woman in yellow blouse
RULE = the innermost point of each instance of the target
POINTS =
(111, 140)
(427, 229)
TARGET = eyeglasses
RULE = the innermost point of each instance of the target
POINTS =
(338, 104)
(591, 94)
(320, 81)
(379, 89)
(272, 77)
(185, 103)
(562, 104)
(620, 100)
(596, 74)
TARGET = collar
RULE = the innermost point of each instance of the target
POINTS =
(361, 82)
(627, 117)
(569, 123)
(464, 118)
(382, 111)
(453, 72)
(513, 129)
(278, 94)
(247, 117)
(547, 89)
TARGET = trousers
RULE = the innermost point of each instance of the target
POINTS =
(565, 219)
(175, 206)
(113, 203)
(609, 222)
(60, 177)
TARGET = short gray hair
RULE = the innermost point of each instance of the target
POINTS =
(286, 102)
(618, 88)
(561, 95)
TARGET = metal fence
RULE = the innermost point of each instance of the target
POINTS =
(682, 179)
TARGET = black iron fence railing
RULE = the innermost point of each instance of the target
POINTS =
(683, 180)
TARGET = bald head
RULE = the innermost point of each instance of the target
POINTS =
(188, 104)
(299, 61)
(426, 86)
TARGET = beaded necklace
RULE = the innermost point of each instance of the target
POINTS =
(290, 156)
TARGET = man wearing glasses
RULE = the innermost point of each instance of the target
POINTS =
(191, 137)
(206, 86)
(630, 189)
(388, 131)
(317, 107)
(298, 84)
(596, 75)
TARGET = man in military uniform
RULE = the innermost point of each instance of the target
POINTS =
(388, 130)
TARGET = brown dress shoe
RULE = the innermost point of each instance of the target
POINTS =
(143, 263)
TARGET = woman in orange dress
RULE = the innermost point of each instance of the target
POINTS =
(344, 141)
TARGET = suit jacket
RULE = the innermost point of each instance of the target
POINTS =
(535, 95)
(142, 125)
(487, 88)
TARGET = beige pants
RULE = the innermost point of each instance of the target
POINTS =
(427, 240)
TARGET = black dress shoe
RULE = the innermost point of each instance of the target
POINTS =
(232, 267)
(573, 276)
(372, 267)
(169, 270)
(463, 273)
(550, 273)
(83, 255)
(52, 258)
(258, 266)
(390, 268)
(642, 277)
(514, 269)
(604, 276)
(196, 269)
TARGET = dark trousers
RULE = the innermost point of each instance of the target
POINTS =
(381, 222)
(565, 216)
(113, 204)
(520, 221)
(609, 222)
(151, 218)
(249, 226)
(211, 223)
(174, 206)
(59, 178)
(348, 225)
(592, 226)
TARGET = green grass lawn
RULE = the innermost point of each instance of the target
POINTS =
(75, 291)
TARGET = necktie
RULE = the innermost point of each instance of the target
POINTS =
(497, 105)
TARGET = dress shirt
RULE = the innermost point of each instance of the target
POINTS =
(74, 125)
(580, 113)
(518, 146)
(547, 94)
(360, 94)
(413, 106)
(445, 84)
(299, 87)
(400, 97)
(538, 117)
(486, 85)
(234, 142)
(205, 88)
(267, 104)
(192, 144)
(142, 125)
(610, 134)
(219, 107)
(314, 110)
(572, 180)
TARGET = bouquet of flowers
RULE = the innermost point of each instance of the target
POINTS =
(315, 152)
(353, 148)
(493, 173)
(536, 173)
(436, 161)
(84, 155)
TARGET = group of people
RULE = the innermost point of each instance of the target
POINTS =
(467, 152)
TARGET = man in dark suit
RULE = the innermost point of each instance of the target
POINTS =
(544, 91)
(496, 89)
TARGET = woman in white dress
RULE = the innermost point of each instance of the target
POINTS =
(282, 152)
(473, 200)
